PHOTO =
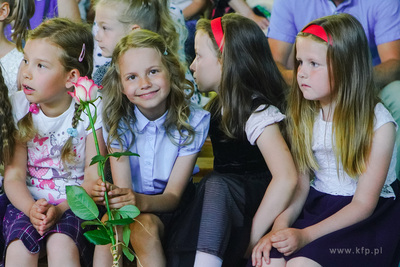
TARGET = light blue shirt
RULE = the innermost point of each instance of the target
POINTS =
(150, 172)
(379, 18)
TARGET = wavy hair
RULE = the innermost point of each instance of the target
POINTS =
(352, 89)
(117, 107)
(7, 126)
(20, 13)
(71, 37)
(250, 76)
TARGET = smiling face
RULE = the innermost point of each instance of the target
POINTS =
(145, 81)
(312, 72)
(43, 77)
(110, 29)
(206, 67)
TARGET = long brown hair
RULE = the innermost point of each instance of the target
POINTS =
(250, 76)
(352, 89)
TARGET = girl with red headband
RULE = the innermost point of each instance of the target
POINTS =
(233, 59)
(342, 140)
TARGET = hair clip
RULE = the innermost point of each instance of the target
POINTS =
(165, 52)
(72, 132)
(34, 108)
(83, 52)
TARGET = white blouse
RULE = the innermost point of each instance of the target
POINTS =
(326, 179)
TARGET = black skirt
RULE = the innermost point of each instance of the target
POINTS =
(218, 220)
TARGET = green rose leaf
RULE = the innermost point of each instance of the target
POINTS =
(128, 211)
(127, 252)
(98, 237)
(81, 204)
(119, 222)
(92, 222)
(120, 154)
(97, 158)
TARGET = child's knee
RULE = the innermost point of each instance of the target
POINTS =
(146, 226)
(60, 243)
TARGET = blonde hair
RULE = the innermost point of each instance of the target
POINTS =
(352, 89)
(70, 37)
(20, 13)
(151, 15)
(117, 107)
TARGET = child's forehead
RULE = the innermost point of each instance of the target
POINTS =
(43, 47)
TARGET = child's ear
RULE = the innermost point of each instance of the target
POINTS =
(4, 10)
(72, 78)
(135, 27)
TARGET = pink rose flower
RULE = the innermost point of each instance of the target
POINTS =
(85, 90)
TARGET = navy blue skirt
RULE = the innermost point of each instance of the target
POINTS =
(17, 225)
(372, 242)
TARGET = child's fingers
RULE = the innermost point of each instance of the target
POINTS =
(256, 256)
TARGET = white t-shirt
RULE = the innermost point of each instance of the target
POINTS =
(9, 67)
(46, 175)
(326, 178)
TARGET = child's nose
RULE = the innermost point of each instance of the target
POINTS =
(192, 66)
(145, 82)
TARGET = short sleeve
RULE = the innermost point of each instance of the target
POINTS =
(200, 121)
(282, 17)
(382, 116)
(257, 122)
(387, 21)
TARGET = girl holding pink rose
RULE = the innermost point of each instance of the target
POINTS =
(147, 112)
(54, 149)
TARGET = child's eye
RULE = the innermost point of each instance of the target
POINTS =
(154, 71)
(314, 64)
(41, 66)
(130, 77)
(300, 62)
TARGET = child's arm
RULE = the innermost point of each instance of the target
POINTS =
(178, 180)
(17, 191)
(243, 9)
(194, 8)
(283, 221)
(124, 195)
(54, 213)
(15, 181)
(284, 179)
(69, 9)
(364, 201)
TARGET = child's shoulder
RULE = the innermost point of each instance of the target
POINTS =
(198, 116)
(382, 116)
(20, 104)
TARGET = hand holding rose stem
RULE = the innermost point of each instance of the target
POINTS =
(85, 94)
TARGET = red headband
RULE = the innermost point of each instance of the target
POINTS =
(216, 28)
(318, 31)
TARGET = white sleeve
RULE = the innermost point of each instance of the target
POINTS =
(257, 121)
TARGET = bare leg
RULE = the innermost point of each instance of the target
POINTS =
(18, 255)
(146, 240)
(62, 251)
(302, 262)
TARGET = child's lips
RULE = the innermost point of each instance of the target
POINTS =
(148, 95)
(27, 90)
